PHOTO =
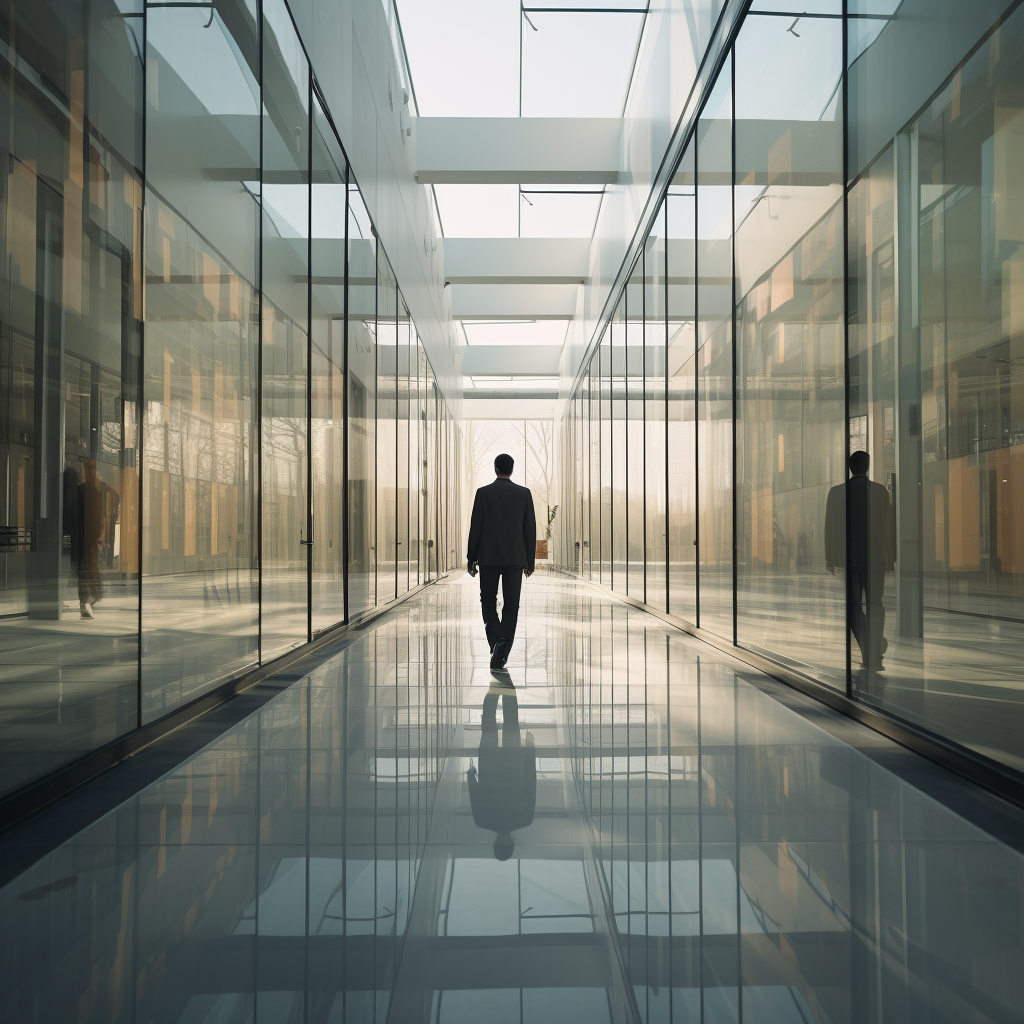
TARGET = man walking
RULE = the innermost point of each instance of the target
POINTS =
(502, 545)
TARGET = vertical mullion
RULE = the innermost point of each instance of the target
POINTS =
(846, 350)
(668, 496)
(345, 433)
(259, 372)
(732, 314)
(309, 387)
(140, 402)
(643, 402)
(696, 376)
(376, 406)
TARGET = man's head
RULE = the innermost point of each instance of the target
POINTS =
(859, 462)
(503, 846)
(503, 465)
(89, 469)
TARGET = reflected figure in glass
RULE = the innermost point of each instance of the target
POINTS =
(503, 789)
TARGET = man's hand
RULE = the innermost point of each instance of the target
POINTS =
(527, 572)
(472, 568)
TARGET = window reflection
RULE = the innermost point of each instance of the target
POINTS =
(789, 329)
(69, 388)
(632, 332)
(327, 374)
(284, 525)
(714, 360)
(681, 371)
(935, 242)
(387, 431)
(362, 406)
(655, 496)
(132, 452)
(876, 488)
(200, 614)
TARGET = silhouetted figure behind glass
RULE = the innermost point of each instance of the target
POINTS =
(502, 545)
(503, 792)
(92, 532)
(872, 552)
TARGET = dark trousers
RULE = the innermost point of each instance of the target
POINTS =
(510, 736)
(511, 584)
(89, 574)
(866, 611)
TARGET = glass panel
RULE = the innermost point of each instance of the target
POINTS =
(594, 561)
(936, 525)
(577, 65)
(605, 354)
(433, 489)
(617, 402)
(582, 556)
(789, 322)
(327, 425)
(200, 612)
(417, 453)
(682, 382)
(633, 369)
(404, 365)
(387, 434)
(655, 497)
(714, 358)
(70, 303)
(362, 400)
(284, 334)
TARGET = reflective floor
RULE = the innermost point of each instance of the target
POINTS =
(624, 826)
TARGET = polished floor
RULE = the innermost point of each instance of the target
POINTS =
(625, 826)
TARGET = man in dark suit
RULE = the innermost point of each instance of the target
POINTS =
(502, 545)
(503, 795)
(872, 553)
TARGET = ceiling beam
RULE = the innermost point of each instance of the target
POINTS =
(516, 260)
(510, 360)
(517, 150)
(513, 301)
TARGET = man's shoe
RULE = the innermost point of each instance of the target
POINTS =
(87, 612)
(498, 654)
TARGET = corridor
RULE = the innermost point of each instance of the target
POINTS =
(686, 847)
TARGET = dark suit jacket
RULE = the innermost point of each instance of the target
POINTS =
(503, 530)
(872, 526)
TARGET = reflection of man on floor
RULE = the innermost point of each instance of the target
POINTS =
(504, 793)
(96, 513)
(872, 553)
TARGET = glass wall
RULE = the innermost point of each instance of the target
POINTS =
(284, 439)
(201, 428)
(362, 406)
(655, 426)
(790, 396)
(681, 370)
(190, 419)
(387, 430)
(633, 441)
(714, 373)
(844, 492)
(70, 379)
(327, 375)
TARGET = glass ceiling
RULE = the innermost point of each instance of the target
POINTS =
(500, 58)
